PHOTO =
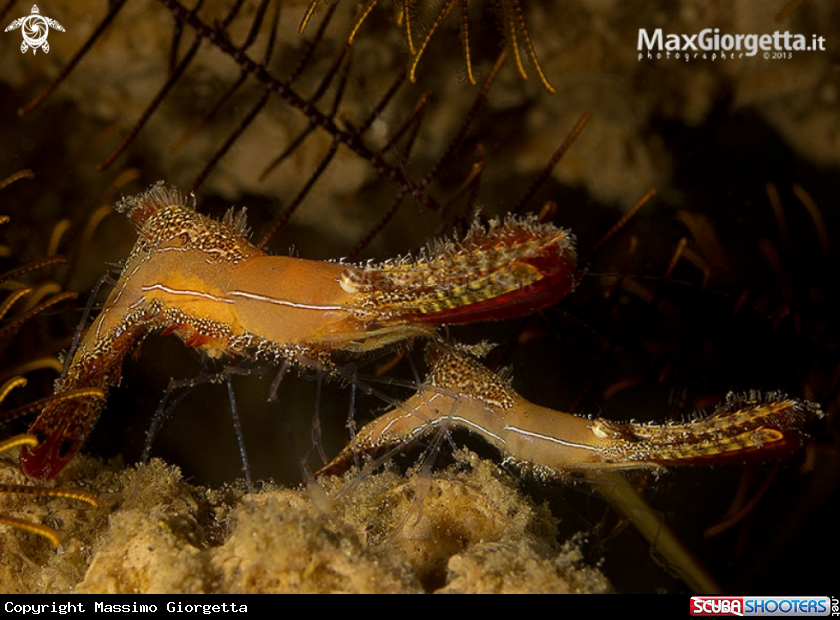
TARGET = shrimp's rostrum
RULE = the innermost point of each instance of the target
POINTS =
(202, 280)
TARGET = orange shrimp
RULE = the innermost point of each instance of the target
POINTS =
(463, 393)
(201, 279)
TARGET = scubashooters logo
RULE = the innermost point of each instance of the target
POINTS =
(760, 606)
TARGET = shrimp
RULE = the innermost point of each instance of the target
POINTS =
(203, 281)
(462, 393)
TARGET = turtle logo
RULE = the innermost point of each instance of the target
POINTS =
(35, 28)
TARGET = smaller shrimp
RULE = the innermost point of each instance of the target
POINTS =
(463, 393)
(202, 280)
(460, 392)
